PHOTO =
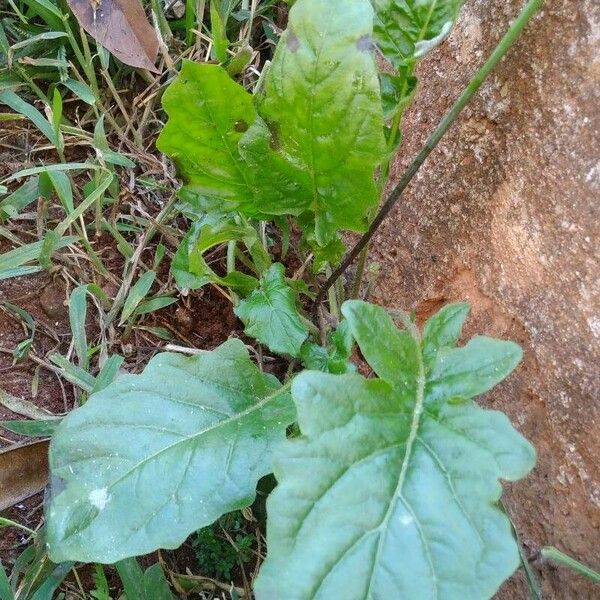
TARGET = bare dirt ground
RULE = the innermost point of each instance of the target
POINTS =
(505, 214)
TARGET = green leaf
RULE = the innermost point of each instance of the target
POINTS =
(335, 357)
(132, 577)
(73, 373)
(48, 12)
(189, 266)
(81, 90)
(443, 329)
(42, 428)
(156, 586)
(33, 114)
(471, 370)
(294, 157)
(271, 316)
(19, 199)
(77, 319)
(386, 494)
(208, 114)
(108, 373)
(154, 457)
(321, 115)
(397, 91)
(218, 33)
(155, 304)
(52, 582)
(407, 29)
(13, 259)
(137, 294)
(5, 590)
(391, 353)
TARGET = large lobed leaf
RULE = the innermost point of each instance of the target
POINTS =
(208, 114)
(312, 143)
(153, 457)
(321, 114)
(392, 490)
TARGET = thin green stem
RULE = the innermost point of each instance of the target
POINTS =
(501, 49)
(360, 270)
(231, 246)
(555, 555)
(533, 586)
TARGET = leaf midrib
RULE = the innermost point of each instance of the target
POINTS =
(410, 442)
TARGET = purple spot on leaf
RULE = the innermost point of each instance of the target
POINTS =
(364, 43)
(293, 43)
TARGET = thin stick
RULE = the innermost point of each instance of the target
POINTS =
(555, 555)
(505, 43)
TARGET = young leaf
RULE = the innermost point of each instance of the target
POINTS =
(397, 91)
(387, 495)
(406, 30)
(321, 114)
(271, 316)
(153, 457)
(189, 266)
(335, 357)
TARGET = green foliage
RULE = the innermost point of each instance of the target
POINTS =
(208, 115)
(320, 116)
(334, 357)
(280, 154)
(101, 590)
(391, 488)
(408, 29)
(189, 265)
(153, 457)
(271, 316)
(401, 498)
(216, 554)
(151, 584)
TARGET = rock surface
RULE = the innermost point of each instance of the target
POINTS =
(505, 214)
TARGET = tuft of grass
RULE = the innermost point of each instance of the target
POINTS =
(223, 546)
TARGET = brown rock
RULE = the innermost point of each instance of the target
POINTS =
(52, 301)
(505, 214)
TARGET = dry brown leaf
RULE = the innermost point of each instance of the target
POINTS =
(23, 472)
(121, 27)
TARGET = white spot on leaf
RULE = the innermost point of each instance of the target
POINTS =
(99, 498)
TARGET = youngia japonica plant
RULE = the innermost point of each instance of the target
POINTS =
(391, 488)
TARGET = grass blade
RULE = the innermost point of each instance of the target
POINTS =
(33, 114)
(137, 294)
